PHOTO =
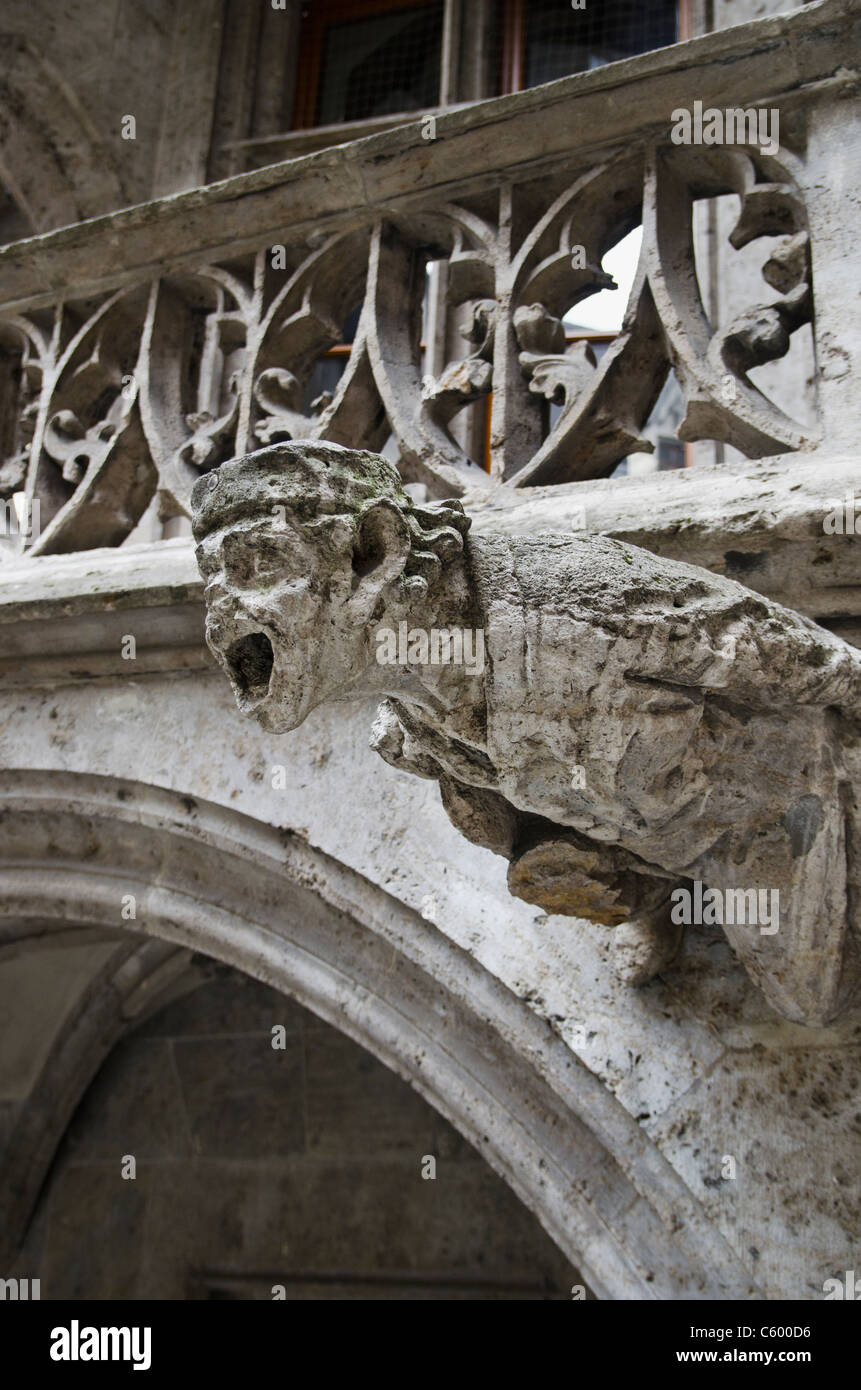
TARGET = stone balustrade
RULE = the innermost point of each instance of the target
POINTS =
(145, 347)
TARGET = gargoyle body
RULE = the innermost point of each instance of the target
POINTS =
(636, 726)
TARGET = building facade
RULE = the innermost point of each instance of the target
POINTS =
(270, 1021)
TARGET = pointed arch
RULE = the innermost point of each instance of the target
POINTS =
(53, 160)
(265, 902)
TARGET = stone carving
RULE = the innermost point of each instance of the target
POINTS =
(82, 453)
(22, 354)
(219, 359)
(637, 728)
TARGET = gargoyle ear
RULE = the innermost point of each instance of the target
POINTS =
(382, 543)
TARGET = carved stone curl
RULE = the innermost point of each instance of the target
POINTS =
(634, 725)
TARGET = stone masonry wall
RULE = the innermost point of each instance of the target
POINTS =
(257, 1166)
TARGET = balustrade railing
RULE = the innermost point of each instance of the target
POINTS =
(142, 349)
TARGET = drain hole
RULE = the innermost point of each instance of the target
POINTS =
(251, 661)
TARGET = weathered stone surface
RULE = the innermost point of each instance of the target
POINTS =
(610, 1111)
(347, 1201)
(246, 891)
(118, 409)
(760, 522)
(684, 729)
(334, 188)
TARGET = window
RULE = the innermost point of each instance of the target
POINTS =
(546, 39)
(361, 60)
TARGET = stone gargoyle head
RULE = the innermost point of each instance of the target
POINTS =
(306, 548)
(642, 727)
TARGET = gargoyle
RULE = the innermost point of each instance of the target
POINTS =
(638, 728)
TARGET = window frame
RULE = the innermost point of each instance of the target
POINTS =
(514, 42)
(312, 41)
(510, 78)
(322, 13)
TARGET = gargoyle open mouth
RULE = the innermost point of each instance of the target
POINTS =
(250, 661)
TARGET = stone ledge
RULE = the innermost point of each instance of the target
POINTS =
(760, 522)
(63, 617)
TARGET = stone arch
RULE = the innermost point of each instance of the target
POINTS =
(209, 879)
(67, 999)
(52, 160)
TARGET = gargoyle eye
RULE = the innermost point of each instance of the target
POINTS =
(207, 562)
(250, 561)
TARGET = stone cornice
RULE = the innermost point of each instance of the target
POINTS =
(63, 617)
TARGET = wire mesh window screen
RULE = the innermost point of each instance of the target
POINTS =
(538, 41)
(559, 40)
(380, 64)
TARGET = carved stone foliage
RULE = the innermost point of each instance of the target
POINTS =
(78, 446)
(107, 403)
(23, 350)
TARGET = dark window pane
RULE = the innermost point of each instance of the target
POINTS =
(380, 65)
(671, 453)
(560, 40)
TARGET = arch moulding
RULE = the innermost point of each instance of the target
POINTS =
(267, 903)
